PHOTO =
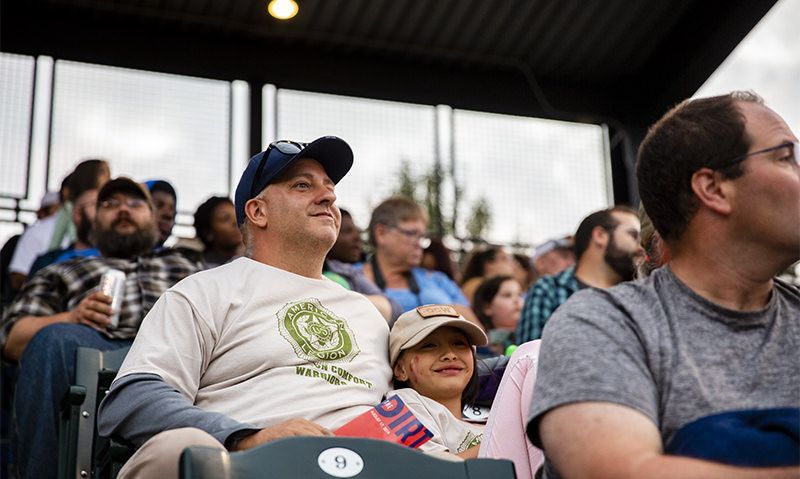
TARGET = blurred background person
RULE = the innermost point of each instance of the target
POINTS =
(215, 226)
(84, 208)
(608, 248)
(349, 246)
(88, 174)
(482, 263)
(498, 303)
(397, 232)
(438, 257)
(523, 271)
(342, 266)
(655, 250)
(165, 202)
(554, 256)
(48, 234)
(51, 201)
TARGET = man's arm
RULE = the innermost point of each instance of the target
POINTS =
(139, 406)
(94, 310)
(599, 440)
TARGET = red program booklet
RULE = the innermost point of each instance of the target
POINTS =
(390, 421)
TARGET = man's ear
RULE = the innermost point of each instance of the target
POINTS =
(712, 190)
(600, 236)
(256, 212)
(400, 372)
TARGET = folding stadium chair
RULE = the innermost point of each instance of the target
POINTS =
(326, 457)
(82, 452)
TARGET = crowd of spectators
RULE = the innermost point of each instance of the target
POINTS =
(631, 341)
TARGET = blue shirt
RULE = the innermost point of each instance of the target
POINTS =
(434, 288)
(543, 298)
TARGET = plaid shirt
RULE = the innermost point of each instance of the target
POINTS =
(543, 298)
(60, 287)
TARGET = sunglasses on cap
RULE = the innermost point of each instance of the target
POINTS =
(287, 147)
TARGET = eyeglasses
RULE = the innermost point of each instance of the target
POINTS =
(287, 147)
(415, 236)
(115, 203)
(794, 147)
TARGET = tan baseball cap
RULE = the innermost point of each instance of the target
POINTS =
(415, 325)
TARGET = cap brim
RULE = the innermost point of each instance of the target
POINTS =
(333, 153)
(474, 333)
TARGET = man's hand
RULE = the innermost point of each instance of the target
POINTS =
(94, 310)
(292, 427)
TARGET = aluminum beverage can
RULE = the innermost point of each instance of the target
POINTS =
(112, 284)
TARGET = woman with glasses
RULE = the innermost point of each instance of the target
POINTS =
(397, 235)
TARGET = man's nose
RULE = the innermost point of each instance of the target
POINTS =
(327, 196)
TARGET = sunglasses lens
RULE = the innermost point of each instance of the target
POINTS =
(288, 148)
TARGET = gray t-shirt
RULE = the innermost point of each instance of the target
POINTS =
(658, 347)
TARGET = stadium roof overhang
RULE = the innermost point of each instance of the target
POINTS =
(618, 62)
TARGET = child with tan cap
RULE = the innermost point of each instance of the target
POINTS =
(433, 360)
(431, 350)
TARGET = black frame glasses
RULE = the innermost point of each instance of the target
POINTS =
(284, 146)
(794, 145)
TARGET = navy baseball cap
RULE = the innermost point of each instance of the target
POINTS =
(333, 153)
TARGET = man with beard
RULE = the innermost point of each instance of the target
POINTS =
(60, 309)
(607, 249)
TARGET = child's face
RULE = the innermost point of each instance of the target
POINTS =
(440, 366)
(506, 306)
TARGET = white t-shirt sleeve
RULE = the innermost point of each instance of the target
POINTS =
(175, 341)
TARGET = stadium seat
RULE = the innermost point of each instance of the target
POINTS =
(82, 452)
(326, 457)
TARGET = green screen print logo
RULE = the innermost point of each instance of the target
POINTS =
(315, 333)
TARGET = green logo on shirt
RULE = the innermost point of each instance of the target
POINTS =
(315, 333)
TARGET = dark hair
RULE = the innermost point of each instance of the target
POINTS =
(483, 297)
(84, 177)
(63, 191)
(470, 390)
(701, 133)
(162, 186)
(441, 255)
(476, 262)
(602, 218)
(393, 211)
(345, 213)
(203, 215)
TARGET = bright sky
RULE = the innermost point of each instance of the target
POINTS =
(767, 61)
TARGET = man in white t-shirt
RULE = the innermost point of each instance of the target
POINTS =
(263, 347)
